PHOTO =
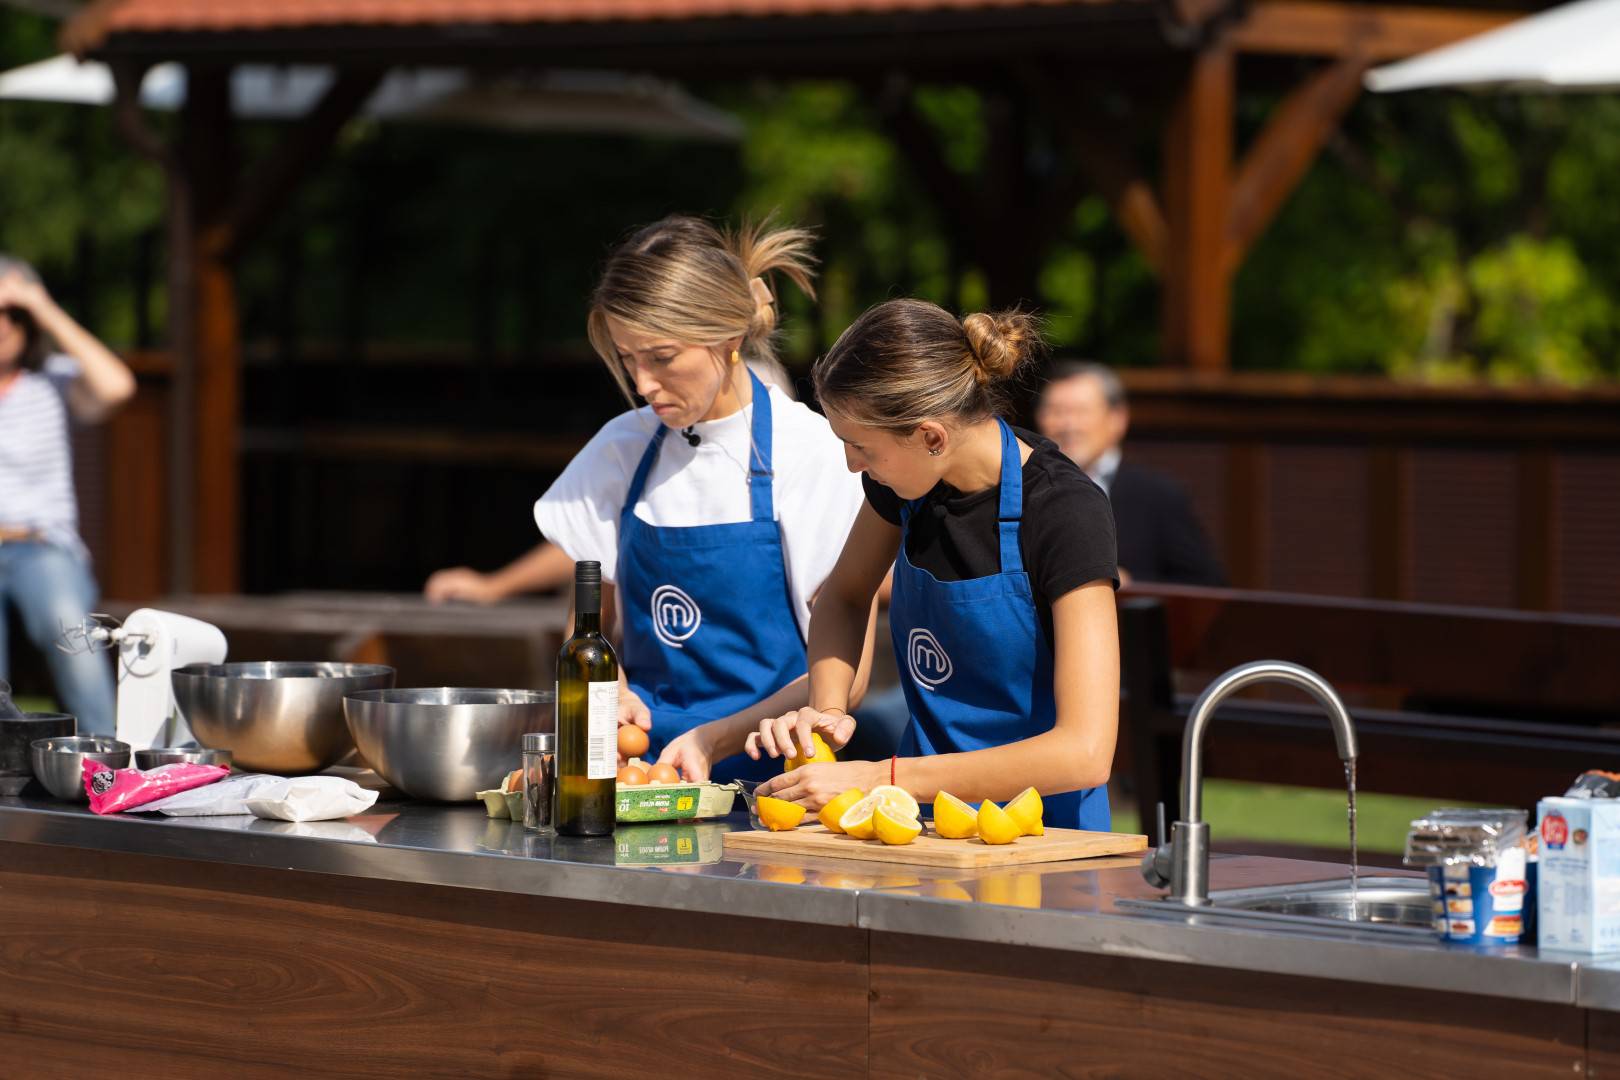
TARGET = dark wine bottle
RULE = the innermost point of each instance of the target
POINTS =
(587, 715)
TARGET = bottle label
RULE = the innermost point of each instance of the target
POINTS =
(602, 727)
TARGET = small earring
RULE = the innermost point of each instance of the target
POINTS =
(934, 452)
(736, 357)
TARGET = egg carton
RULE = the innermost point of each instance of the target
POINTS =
(677, 801)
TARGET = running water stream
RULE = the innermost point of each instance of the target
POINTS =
(1350, 784)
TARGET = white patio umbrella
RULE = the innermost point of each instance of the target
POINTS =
(598, 101)
(1573, 47)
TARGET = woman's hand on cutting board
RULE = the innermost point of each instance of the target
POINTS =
(815, 786)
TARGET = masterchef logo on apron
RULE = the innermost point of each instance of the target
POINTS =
(675, 615)
(927, 660)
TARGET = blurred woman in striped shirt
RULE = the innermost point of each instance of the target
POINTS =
(44, 567)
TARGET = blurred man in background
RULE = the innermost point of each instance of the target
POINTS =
(1083, 410)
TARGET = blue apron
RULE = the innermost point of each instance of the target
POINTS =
(709, 621)
(974, 659)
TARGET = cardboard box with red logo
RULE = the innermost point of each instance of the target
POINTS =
(1579, 888)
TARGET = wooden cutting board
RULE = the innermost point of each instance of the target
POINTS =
(1057, 845)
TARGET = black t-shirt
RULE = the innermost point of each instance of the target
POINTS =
(1066, 535)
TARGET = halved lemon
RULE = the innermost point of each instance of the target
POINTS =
(857, 820)
(897, 798)
(778, 815)
(995, 827)
(834, 810)
(953, 818)
(1025, 809)
(892, 828)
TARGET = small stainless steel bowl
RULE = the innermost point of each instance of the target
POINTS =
(59, 763)
(446, 743)
(176, 755)
(274, 717)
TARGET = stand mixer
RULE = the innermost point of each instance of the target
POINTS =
(150, 645)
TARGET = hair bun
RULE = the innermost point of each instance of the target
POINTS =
(1001, 343)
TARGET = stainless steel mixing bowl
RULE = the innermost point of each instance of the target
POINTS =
(175, 755)
(446, 743)
(59, 763)
(274, 717)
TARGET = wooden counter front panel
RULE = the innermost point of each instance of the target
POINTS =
(176, 969)
(980, 1010)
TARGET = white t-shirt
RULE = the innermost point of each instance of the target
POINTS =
(36, 455)
(814, 494)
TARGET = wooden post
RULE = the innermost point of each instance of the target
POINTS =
(1198, 186)
(205, 471)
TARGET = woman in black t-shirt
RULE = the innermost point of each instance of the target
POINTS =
(1003, 551)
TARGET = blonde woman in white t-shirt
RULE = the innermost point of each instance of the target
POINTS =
(719, 507)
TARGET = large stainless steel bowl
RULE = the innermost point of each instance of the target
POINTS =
(59, 763)
(446, 743)
(274, 717)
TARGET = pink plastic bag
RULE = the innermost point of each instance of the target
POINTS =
(112, 790)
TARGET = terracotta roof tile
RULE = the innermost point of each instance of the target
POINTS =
(138, 16)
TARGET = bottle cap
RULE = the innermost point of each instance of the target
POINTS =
(587, 572)
(539, 741)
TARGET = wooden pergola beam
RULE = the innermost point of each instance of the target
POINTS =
(1375, 32)
(274, 182)
(1197, 185)
(1280, 156)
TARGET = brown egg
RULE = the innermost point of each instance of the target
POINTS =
(663, 774)
(632, 741)
(632, 776)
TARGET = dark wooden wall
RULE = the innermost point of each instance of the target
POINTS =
(372, 478)
(1364, 488)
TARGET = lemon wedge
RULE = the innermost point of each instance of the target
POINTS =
(1026, 810)
(892, 828)
(857, 820)
(896, 798)
(995, 827)
(823, 752)
(834, 810)
(778, 815)
(953, 818)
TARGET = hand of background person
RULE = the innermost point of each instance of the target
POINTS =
(462, 583)
(17, 291)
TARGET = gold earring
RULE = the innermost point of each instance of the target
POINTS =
(736, 357)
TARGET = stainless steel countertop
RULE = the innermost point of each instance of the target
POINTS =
(1066, 907)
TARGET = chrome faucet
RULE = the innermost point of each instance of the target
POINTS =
(1183, 862)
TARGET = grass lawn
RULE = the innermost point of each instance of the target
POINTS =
(1311, 817)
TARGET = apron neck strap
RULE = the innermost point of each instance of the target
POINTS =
(759, 454)
(1012, 501)
(759, 458)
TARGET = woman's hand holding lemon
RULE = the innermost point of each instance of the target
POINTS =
(792, 735)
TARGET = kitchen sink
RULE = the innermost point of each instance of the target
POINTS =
(1382, 905)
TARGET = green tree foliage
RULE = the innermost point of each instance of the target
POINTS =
(73, 200)
(1440, 236)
